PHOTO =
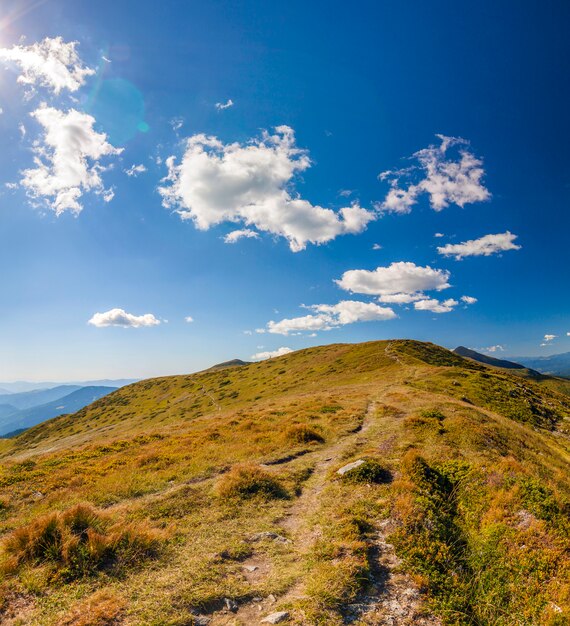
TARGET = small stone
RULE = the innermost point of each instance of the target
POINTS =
(250, 568)
(231, 605)
(271, 598)
(347, 468)
(201, 620)
(268, 535)
(275, 618)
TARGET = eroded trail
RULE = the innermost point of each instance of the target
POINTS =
(391, 598)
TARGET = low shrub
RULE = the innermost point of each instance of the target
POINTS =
(371, 471)
(247, 481)
(301, 433)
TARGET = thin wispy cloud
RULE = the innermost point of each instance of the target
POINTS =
(135, 170)
(484, 246)
(329, 316)
(435, 306)
(244, 233)
(222, 106)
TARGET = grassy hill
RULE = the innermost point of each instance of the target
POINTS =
(215, 498)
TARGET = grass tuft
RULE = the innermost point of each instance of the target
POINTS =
(80, 541)
(249, 481)
(301, 433)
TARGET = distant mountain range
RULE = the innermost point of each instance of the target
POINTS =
(25, 385)
(555, 365)
(19, 411)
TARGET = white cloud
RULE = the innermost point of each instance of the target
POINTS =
(550, 337)
(439, 235)
(67, 160)
(398, 278)
(50, 63)
(376, 246)
(135, 170)
(261, 356)
(252, 183)
(177, 123)
(496, 348)
(435, 306)
(345, 193)
(329, 316)
(468, 299)
(189, 319)
(401, 298)
(119, 317)
(236, 235)
(446, 180)
(224, 105)
(484, 246)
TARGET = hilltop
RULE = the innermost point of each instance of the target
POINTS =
(216, 498)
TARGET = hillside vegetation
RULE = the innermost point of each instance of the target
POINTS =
(215, 498)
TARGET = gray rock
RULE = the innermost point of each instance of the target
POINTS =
(269, 535)
(231, 605)
(347, 468)
(250, 568)
(201, 620)
(275, 618)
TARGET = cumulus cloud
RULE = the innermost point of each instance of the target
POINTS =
(50, 63)
(224, 105)
(236, 235)
(252, 184)
(468, 299)
(135, 170)
(67, 160)
(376, 246)
(445, 179)
(329, 316)
(270, 354)
(484, 246)
(397, 279)
(439, 235)
(436, 306)
(548, 338)
(189, 319)
(119, 317)
(496, 348)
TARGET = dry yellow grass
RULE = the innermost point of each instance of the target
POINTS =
(202, 458)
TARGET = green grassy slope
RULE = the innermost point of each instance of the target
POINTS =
(221, 487)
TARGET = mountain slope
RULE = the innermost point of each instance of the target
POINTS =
(216, 496)
(25, 418)
(488, 360)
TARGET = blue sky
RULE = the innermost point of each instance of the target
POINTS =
(100, 286)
